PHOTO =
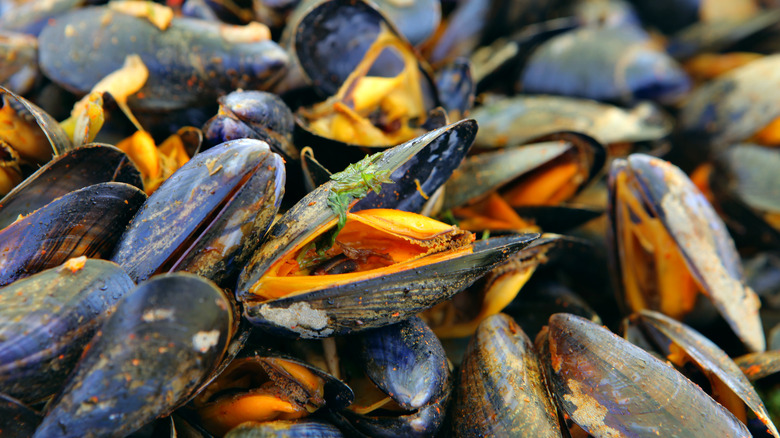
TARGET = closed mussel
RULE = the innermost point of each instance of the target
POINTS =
(70, 171)
(253, 114)
(668, 244)
(85, 222)
(615, 64)
(501, 389)
(208, 215)
(609, 387)
(402, 382)
(148, 357)
(48, 318)
(179, 75)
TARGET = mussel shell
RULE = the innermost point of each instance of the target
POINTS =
(73, 170)
(456, 87)
(501, 389)
(20, 61)
(31, 17)
(379, 301)
(311, 211)
(416, 21)
(756, 366)
(85, 222)
(423, 422)
(178, 75)
(148, 357)
(46, 321)
(610, 387)
(58, 139)
(191, 204)
(532, 308)
(332, 39)
(253, 114)
(304, 428)
(421, 175)
(406, 361)
(701, 237)
(746, 186)
(668, 335)
(16, 419)
(337, 394)
(483, 173)
(718, 36)
(612, 64)
(734, 106)
(516, 120)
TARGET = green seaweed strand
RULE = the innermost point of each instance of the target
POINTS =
(354, 182)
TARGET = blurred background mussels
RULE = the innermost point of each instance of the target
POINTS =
(361, 218)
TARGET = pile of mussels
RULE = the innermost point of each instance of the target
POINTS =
(391, 218)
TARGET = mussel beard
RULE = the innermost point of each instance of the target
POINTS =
(655, 274)
(374, 110)
(373, 243)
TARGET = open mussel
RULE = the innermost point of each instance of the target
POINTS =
(380, 91)
(262, 385)
(501, 389)
(668, 244)
(503, 189)
(208, 216)
(735, 107)
(371, 257)
(610, 387)
(47, 319)
(28, 137)
(164, 338)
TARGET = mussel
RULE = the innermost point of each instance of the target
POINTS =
(668, 243)
(208, 216)
(148, 358)
(48, 318)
